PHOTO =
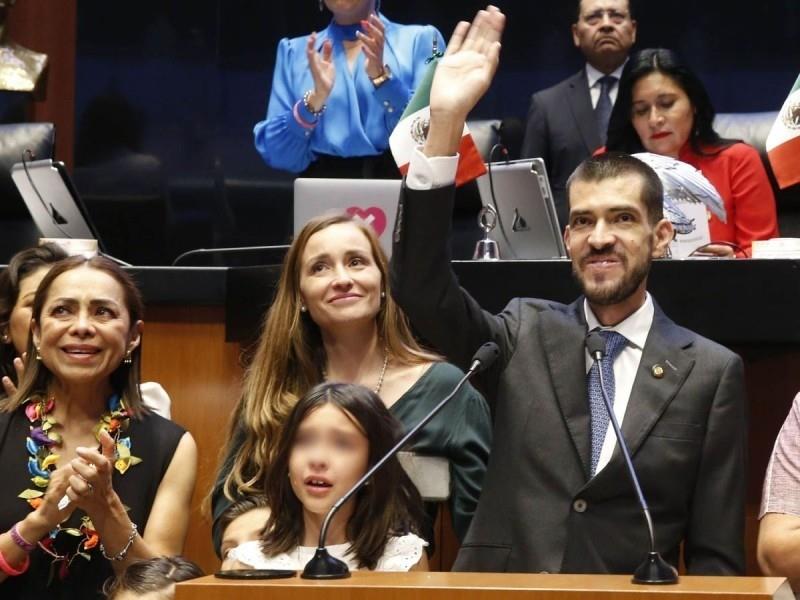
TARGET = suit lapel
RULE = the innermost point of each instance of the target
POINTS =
(563, 342)
(665, 347)
(580, 103)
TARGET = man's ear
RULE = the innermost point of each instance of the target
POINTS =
(566, 239)
(663, 234)
(575, 39)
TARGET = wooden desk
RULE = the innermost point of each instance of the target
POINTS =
(483, 586)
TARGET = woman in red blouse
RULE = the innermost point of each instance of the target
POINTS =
(662, 107)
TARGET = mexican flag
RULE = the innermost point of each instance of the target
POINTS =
(783, 141)
(412, 130)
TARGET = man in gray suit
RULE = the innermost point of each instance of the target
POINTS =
(567, 122)
(557, 496)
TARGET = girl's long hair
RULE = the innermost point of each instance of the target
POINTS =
(388, 505)
(289, 358)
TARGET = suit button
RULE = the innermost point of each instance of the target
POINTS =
(579, 505)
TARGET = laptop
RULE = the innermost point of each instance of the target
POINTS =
(527, 226)
(52, 200)
(374, 201)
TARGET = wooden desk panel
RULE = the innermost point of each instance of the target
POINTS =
(184, 350)
(483, 586)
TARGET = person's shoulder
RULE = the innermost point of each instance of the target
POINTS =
(536, 306)
(159, 425)
(560, 88)
(709, 352)
(402, 553)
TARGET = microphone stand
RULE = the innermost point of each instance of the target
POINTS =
(324, 566)
(654, 569)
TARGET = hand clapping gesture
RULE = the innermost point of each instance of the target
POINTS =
(322, 70)
(372, 41)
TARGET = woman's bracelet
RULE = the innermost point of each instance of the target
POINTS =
(307, 103)
(122, 553)
(11, 571)
(300, 120)
(20, 541)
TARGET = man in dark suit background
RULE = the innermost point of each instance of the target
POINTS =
(567, 122)
(557, 496)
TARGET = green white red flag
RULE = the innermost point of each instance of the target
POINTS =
(412, 130)
(783, 141)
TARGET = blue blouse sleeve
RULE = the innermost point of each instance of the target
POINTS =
(395, 94)
(280, 140)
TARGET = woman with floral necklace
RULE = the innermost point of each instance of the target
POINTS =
(338, 94)
(93, 480)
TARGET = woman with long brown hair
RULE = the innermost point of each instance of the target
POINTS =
(334, 319)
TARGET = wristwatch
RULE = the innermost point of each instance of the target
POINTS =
(385, 76)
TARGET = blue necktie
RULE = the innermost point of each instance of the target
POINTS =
(602, 111)
(615, 342)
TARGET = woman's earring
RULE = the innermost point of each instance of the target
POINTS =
(127, 360)
(38, 354)
(303, 308)
(383, 294)
(6, 338)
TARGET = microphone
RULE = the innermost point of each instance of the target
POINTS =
(235, 250)
(654, 569)
(324, 566)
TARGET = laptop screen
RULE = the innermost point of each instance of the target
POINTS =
(374, 201)
(527, 226)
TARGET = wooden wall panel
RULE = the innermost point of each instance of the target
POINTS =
(184, 350)
(50, 27)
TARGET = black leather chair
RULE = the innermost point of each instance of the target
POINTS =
(17, 230)
(754, 128)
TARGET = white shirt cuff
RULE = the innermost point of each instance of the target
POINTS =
(427, 173)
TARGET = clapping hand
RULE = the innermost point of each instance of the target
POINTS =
(90, 486)
(322, 70)
(372, 41)
(19, 366)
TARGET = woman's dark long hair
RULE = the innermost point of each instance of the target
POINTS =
(389, 505)
(622, 136)
(21, 265)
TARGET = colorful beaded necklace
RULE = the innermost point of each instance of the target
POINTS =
(42, 460)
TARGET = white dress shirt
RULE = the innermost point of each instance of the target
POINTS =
(593, 79)
(635, 328)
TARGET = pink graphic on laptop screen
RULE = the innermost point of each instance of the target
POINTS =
(371, 215)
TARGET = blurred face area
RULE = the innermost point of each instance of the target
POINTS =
(611, 241)
(340, 282)
(347, 12)
(244, 528)
(604, 33)
(329, 454)
(164, 594)
(19, 324)
(84, 330)
(663, 115)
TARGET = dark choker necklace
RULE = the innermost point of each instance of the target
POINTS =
(344, 32)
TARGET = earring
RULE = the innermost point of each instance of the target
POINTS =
(127, 360)
(38, 355)
(383, 294)
(303, 308)
(6, 338)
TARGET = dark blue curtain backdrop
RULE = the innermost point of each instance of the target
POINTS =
(183, 81)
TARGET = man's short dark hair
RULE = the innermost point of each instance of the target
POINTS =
(578, 10)
(612, 165)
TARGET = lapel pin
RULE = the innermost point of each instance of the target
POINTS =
(657, 371)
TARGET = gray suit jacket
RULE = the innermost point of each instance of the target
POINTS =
(539, 510)
(561, 128)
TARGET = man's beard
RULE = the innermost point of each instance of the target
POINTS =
(605, 294)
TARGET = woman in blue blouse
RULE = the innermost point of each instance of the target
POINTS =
(338, 94)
